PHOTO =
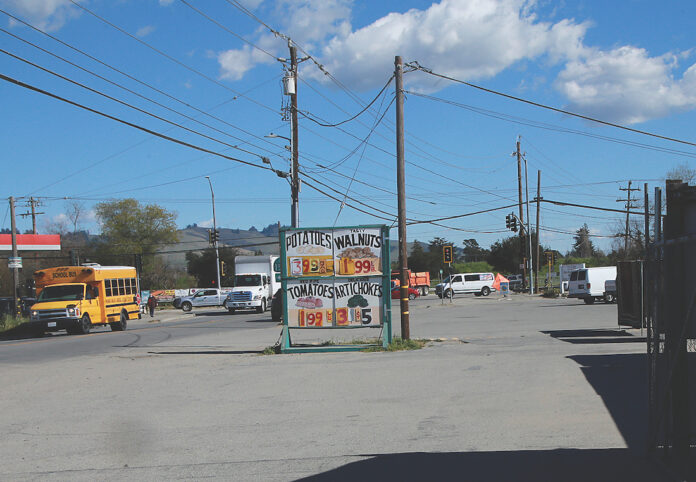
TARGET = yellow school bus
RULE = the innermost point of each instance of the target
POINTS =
(75, 298)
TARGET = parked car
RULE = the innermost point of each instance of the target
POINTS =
(412, 293)
(610, 291)
(480, 284)
(588, 284)
(516, 282)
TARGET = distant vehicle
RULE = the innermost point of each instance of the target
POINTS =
(412, 293)
(255, 282)
(204, 297)
(75, 298)
(610, 291)
(516, 281)
(588, 284)
(480, 284)
(419, 281)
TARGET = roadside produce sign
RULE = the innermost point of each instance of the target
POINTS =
(335, 278)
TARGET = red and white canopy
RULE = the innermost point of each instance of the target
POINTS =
(31, 242)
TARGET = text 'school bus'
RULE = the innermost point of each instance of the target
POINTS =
(75, 298)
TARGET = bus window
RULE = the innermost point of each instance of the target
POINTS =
(107, 287)
(121, 287)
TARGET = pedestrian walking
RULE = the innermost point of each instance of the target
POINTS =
(151, 305)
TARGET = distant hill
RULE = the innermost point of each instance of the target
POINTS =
(247, 242)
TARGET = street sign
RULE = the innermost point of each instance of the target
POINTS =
(447, 256)
(14, 262)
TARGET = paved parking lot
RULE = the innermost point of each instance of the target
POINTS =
(533, 389)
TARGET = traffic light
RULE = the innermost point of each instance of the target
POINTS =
(222, 268)
(511, 222)
(213, 236)
(550, 257)
(447, 254)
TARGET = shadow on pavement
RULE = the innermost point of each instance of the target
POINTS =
(621, 381)
(589, 337)
(522, 465)
(207, 352)
(585, 333)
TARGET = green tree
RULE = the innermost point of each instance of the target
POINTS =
(583, 247)
(418, 259)
(202, 266)
(129, 227)
(504, 255)
(435, 255)
(473, 252)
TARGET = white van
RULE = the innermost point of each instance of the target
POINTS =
(481, 284)
(588, 284)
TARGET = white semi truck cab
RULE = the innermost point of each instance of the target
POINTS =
(255, 281)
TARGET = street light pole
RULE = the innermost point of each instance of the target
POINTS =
(215, 241)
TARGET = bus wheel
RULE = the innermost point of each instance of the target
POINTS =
(84, 325)
(121, 324)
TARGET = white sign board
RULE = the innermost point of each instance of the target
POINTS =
(14, 262)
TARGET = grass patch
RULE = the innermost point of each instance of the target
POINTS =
(399, 344)
(9, 322)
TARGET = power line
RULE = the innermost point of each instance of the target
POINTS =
(130, 124)
(169, 57)
(309, 116)
(417, 66)
(551, 127)
(203, 14)
(143, 111)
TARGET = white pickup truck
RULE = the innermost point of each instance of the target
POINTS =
(205, 297)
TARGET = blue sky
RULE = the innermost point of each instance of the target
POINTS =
(630, 62)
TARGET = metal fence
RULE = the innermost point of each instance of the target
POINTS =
(669, 302)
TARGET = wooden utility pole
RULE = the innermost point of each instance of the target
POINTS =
(33, 203)
(628, 212)
(295, 181)
(15, 270)
(401, 192)
(538, 202)
(521, 215)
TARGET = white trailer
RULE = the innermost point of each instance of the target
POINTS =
(255, 281)
(589, 284)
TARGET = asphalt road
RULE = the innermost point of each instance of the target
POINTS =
(170, 326)
(521, 389)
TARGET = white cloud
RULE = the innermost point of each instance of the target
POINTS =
(49, 15)
(166, 3)
(306, 21)
(474, 40)
(627, 85)
(145, 31)
(468, 39)
(208, 223)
